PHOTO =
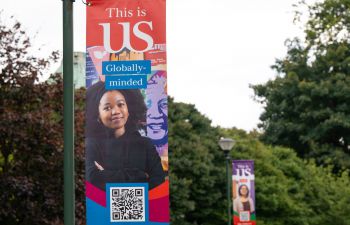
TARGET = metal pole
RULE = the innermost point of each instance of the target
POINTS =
(228, 174)
(68, 113)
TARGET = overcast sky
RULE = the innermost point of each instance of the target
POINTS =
(215, 48)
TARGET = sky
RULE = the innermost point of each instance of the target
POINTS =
(215, 48)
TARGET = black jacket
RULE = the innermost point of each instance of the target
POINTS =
(128, 159)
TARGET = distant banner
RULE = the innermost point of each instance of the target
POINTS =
(126, 133)
(243, 191)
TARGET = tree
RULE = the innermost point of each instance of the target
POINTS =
(197, 172)
(31, 136)
(306, 106)
(329, 22)
(289, 190)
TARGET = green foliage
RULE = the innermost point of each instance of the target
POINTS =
(197, 174)
(290, 190)
(28, 138)
(31, 136)
(329, 22)
(307, 105)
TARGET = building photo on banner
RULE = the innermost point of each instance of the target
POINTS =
(126, 133)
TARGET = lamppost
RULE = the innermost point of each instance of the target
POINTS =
(68, 113)
(226, 145)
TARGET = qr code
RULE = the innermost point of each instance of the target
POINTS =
(127, 204)
(244, 216)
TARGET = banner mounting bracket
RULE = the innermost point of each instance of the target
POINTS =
(86, 3)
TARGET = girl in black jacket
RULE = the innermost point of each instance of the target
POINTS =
(118, 153)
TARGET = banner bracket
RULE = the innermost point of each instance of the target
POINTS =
(86, 3)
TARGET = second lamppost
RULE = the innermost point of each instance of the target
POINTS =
(226, 145)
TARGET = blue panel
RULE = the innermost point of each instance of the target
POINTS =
(126, 82)
(95, 213)
(99, 215)
(126, 67)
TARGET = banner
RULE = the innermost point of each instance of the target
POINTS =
(243, 192)
(126, 133)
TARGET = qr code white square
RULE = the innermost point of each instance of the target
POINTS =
(127, 204)
(244, 216)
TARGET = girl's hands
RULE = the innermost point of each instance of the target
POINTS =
(99, 167)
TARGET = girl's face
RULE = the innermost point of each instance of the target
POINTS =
(113, 110)
(244, 191)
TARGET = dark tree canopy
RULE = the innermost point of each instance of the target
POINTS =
(31, 135)
(290, 191)
(307, 106)
(197, 173)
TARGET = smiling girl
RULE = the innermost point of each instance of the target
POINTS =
(123, 155)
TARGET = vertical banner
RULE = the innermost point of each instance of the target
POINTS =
(126, 133)
(243, 192)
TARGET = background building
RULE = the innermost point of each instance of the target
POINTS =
(78, 69)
